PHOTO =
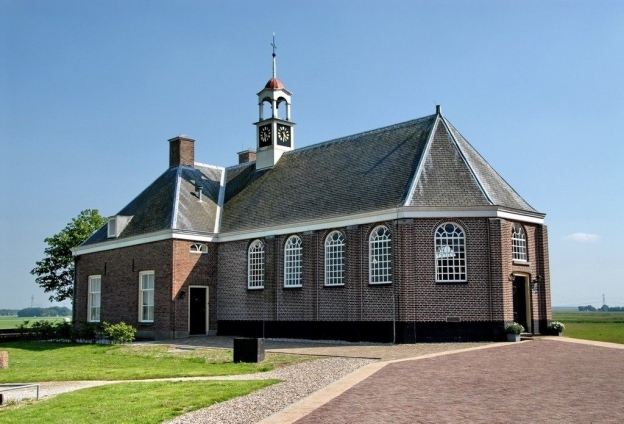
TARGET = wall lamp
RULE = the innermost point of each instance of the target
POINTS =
(181, 295)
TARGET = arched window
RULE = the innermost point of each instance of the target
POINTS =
(292, 262)
(450, 248)
(380, 256)
(199, 248)
(334, 259)
(518, 243)
(255, 265)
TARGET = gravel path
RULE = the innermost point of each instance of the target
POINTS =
(299, 381)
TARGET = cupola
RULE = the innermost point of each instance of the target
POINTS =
(274, 132)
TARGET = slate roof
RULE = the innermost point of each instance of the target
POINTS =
(423, 163)
(171, 202)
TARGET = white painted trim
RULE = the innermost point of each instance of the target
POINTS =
(220, 201)
(324, 224)
(421, 164)
(141, 274)
(468, 164)
(143, 239)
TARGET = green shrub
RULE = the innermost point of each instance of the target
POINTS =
(118, 333)
(514, 328)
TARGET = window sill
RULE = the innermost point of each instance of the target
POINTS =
(521, 263)
(293, 287)
(387, 283)
(331, 286)
(255, 288)
(446, 283)
(146, 323)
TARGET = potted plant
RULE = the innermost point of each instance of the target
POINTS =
(556, 327)
(513, 331)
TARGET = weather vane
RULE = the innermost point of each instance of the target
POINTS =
(273, 45)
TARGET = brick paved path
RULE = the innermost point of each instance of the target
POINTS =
(541, 381)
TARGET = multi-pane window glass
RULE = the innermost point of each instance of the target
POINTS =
(292, 262)
(95, 288)
(380, 252)
(334, 259)
(255, 265)
(146, 296)
(199, 248)
(450, 251)
(518, 243)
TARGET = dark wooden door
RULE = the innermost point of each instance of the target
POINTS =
(519, 301)
(197, 313)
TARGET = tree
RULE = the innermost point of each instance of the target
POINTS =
(55, 273)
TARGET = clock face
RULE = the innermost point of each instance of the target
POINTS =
(283, 135)
(265, 136)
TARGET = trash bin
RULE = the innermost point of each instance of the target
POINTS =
(248, 349)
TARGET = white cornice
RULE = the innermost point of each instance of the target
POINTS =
(323, 224)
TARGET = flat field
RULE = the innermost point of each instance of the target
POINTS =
(13, 322)
(599, 326)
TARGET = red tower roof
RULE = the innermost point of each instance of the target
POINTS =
(274, 83)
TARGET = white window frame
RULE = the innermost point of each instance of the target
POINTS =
(518, 243)
(450, 253)
(255, 265)
(146, 296)
(94, 298)
(112, 227)
(199, 248)
(335, 259)
(380, 256)
(293, 250)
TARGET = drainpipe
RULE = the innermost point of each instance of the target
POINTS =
(490, 273)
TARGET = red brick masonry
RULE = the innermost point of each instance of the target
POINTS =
(534, 382)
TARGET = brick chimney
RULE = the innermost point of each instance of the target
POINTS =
(246, 156)
(181, 151)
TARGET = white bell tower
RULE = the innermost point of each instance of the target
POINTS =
(274, 133)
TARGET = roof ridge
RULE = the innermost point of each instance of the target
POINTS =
(176, 198)
(363, 133)
(207, 165)
(467, 162)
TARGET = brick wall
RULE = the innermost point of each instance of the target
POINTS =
(120, 270)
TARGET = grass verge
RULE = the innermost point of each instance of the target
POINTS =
(150, 402)
(36, 362)
(598, 326)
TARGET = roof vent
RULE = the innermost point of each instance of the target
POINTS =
(199, 189)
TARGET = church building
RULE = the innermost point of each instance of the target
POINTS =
(399, 234)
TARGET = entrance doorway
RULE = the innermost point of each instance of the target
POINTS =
(198, 310)
(521, 301)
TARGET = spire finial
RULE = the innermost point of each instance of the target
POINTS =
(274, 65)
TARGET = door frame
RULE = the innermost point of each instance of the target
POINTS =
(528, 298)
(207, 326)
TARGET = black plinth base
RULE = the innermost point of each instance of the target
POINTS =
(248, 350)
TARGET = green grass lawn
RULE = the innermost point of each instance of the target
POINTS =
(39, 361)
(132, 402)
(599, 326)
(13, 322)
(150, 402)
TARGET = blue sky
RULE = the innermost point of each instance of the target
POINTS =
(91, 91)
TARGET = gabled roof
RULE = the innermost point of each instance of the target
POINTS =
(420, 165)
(171, 202)
(351, 175)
